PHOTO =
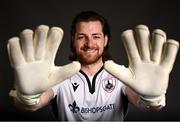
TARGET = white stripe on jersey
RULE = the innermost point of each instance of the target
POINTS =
(79, 99)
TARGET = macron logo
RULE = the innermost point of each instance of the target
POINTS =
(75, 86)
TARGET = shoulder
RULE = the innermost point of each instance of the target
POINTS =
(56, 88)
(108, 75)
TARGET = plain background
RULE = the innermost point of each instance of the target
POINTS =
(16, 15)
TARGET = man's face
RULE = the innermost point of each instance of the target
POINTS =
(89, 42)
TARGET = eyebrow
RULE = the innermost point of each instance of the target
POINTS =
(92, 34)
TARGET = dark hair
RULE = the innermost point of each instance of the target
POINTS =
(87, 16)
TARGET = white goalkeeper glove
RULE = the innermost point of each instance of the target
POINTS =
(151, 60)
(32, 58)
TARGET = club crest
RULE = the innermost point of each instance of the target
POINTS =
(109, 84)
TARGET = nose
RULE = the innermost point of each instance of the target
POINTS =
(89, 42)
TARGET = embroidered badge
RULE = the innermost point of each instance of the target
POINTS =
(109, 85)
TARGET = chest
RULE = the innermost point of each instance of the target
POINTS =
(101, 90)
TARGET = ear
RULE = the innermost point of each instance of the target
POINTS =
(106, 40)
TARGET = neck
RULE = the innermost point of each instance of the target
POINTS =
(92, 69)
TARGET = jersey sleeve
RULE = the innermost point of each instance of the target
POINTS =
(55, 89)
(124, 89)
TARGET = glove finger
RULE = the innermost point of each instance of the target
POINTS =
(119, 71)
(143, 42)
(14, 51)
(169, 54)
(27, 44)
(130, 45)
(158, 40)
(9, 55)
(40, 39)
(64, 72)
(54, 40)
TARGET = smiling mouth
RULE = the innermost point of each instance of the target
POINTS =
(89, 50)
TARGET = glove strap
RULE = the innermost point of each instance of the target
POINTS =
(25, 99)
(153, 101)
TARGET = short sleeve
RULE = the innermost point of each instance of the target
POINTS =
(124, 89)
(56, 89)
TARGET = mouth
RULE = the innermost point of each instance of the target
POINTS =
(89, 50)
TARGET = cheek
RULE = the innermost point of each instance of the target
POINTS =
(77, 46)
(101, 46)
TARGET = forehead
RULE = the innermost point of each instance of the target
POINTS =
(89, 26)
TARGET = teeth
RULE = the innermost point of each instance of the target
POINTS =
(89, 51)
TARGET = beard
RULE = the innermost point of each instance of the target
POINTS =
(88, 59)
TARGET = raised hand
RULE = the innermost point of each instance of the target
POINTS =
(151, 59)
(32, 58)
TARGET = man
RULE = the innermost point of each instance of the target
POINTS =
(101, 89)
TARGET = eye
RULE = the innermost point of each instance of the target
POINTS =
(80, 37)
(96, 37)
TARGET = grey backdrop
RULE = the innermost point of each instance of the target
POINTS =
(121, 15)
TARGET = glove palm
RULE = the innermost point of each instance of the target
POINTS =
(150, 61)
(32, 58)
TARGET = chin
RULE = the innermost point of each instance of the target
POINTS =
(89, 59)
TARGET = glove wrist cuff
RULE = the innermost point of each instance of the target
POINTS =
(25, 99)
(152, 101)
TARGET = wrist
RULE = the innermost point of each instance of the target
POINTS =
(25, 99)
(155, 102)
